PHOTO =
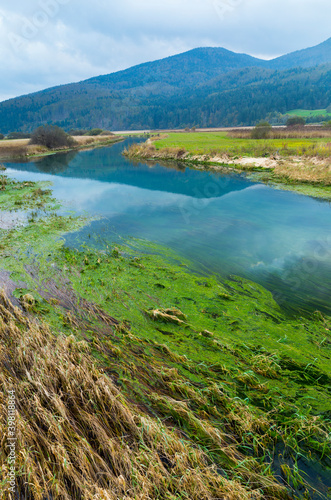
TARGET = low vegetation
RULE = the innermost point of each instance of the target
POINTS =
(283, 142)
(311, 172)
(18, 135)
(86, 440)
(49, 140)
(312, 114)
(310, 132)
(137, 378)
(262, 131)
(296, 121)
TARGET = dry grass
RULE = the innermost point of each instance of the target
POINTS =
(158, 137)
(148, 150)
(20, 148)
(79, 438)
(14, 143)
(286, 133)
(167, 316)
(14, 148)
(315, 169)
(311, 171)
(85, 140)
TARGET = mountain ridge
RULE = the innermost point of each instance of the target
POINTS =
(188, 80)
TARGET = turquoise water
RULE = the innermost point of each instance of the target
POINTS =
(223, 223)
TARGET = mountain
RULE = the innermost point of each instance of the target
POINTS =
(204, 87)
(190, 68)
(314, 56)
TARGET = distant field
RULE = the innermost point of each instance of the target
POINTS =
(215, 143)
(308, 113)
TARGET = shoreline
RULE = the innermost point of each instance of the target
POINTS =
(21, 150)
(290, 174)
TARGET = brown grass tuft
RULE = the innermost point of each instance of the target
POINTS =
(171, 315)
(79, 438)
(311, 171)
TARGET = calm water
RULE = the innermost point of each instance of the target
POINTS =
(224, 224)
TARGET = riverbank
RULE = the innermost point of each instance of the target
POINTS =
(191, 387)
(286, 163)
(20, 149)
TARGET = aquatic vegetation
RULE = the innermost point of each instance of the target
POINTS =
(170, 384)
(167, 316)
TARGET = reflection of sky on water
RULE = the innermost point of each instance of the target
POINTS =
(225, 224)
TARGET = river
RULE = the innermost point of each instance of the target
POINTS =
(223, 223)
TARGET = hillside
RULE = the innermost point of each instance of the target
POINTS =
(205, 87)
(313, 56)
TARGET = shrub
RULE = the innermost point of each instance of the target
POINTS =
(52, 137)
(77, 132)
(296, 121)
(107, 132)
(94, 131)
(261, 131)
(18, 135)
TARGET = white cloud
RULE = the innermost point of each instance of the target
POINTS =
(49, 42)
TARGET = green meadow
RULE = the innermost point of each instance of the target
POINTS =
(307, 113)
(220, 143)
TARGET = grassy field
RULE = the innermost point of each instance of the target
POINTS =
(300, 164)
(220, 143)
(137, 378)
(307, 113)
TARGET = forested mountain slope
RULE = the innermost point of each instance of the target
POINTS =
(203, 87)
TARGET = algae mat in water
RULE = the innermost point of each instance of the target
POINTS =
(216, 361)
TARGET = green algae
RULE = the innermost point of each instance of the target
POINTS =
(314, 190)
(237, 362)
(24, 195)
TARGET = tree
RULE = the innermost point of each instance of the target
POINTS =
(328, 109)
(261, 131)
(1, 137)
(52, 137)
(296, 121)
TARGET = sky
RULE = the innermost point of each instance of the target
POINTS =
(44, 43)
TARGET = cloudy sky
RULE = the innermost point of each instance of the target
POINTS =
(49, 42)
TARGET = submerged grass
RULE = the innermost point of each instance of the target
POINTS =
(79, 437)
(138, 379)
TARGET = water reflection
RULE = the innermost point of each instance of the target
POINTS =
(223, 223)
(55, 164)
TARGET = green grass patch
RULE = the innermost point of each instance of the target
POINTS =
(220, 143)
(308, 113)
